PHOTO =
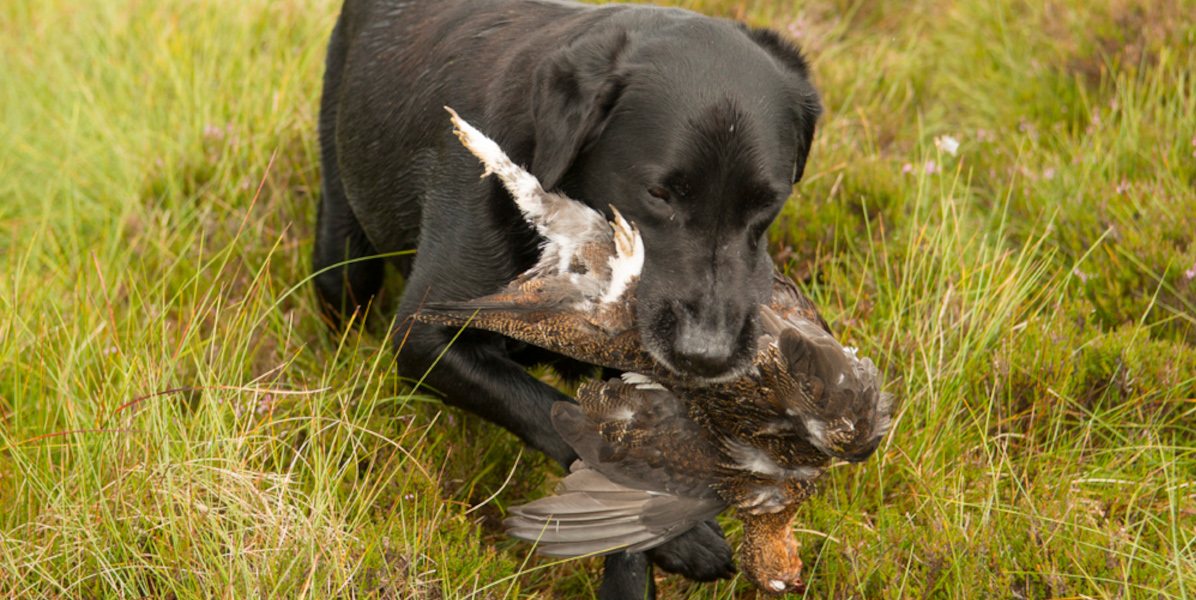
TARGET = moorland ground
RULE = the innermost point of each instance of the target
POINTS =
(176, 421)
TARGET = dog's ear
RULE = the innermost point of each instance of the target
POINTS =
(806, 104)
(575, 89)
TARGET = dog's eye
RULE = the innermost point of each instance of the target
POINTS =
(661, 193)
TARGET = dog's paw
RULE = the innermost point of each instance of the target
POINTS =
(701, 554)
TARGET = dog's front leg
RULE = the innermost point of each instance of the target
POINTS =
(473, 372)
(627, 576)
(701, 554)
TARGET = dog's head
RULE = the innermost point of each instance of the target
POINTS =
(696, 130)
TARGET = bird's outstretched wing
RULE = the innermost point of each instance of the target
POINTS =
(590, 514)
(604, 338)
(564, 223)
(646, 474)
(578, 300)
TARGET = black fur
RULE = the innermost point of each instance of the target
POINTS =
(694, 128)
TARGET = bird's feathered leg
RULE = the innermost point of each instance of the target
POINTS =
(770, 555)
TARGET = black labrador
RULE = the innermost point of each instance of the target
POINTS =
(695, 128)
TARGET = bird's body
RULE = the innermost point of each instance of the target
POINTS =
(660, 452)
(650, 470)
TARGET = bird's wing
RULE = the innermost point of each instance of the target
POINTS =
(605, 336)
(524, 299)
(646, 474)
(554, 215)
(592, 515)
(639, 435)
(566, 224)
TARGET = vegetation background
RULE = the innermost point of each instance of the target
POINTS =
(176, 421)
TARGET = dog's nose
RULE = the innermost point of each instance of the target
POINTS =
(704, 351)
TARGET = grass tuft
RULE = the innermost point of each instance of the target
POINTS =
(176, 421)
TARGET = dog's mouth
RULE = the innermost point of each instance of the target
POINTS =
(700, 378)
(704, 355)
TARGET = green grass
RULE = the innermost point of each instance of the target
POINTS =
(175, 421)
